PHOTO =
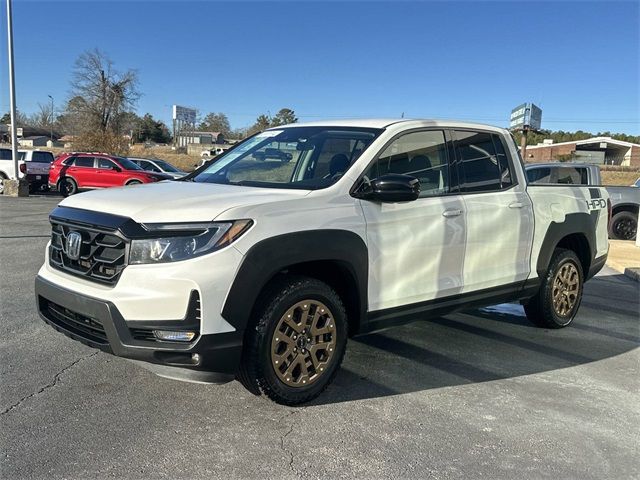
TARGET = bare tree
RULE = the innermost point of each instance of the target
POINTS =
(106, 92)
(43, 117)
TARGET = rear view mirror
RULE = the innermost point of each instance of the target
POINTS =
(393, 187)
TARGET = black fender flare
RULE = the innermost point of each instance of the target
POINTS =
(574, 223)
(267, 258)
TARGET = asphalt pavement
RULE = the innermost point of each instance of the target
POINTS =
(480, 394)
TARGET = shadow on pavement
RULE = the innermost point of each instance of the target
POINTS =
(487, 344)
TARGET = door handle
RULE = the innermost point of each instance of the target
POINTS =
(452, 213)
(516, 205)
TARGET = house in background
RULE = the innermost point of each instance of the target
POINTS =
(598, 150)
(34, 141)
(205, 138)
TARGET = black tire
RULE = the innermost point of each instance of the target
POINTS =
(2, 179)
(624, 226)
(257, 372)
(541, 310)
(67, 187)
(133, 182)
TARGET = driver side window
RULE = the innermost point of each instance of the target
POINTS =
(422, 155)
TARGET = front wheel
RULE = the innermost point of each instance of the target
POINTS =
(624, 226)
(556, 303)
(296, 347)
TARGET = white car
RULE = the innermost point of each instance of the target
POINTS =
(260, 270)
(158, 166)
(33, 164)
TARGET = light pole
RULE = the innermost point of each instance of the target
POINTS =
(12, 92)
(51, 121)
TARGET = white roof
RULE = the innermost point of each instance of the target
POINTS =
(586, 142)
(385, 122)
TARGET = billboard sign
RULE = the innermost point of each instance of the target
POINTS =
(184, 114)
(526, 115)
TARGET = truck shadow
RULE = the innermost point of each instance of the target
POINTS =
(487, 344)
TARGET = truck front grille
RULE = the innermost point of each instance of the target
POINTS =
(100, 255)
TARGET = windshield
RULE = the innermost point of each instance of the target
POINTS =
(296, 157)
(127, 164)
(167, 167)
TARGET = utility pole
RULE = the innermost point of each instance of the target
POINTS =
(51, 121)
(12, 92)
(523, 143)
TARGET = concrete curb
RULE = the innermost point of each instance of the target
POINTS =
(633, 273)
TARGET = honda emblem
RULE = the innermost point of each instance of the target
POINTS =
(74, 242)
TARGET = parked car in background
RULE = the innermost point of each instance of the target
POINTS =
(213, 152)
(625, 201)
(32, 164)
(158, 166)
(73, 172)
(37, 163)
(273, 154)
(7, 168)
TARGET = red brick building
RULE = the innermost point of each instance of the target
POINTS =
(600, 150)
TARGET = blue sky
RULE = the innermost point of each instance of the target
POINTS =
(579, 61)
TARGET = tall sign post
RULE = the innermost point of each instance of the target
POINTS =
(184, 121)
(525, 117)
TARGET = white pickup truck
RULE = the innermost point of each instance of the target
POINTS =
(33, 164)
(260, 269)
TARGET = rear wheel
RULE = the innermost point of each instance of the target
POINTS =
(67, 186)
(624, 226)
(296, 347)
(557, 302)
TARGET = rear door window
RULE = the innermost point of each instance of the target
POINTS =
(484, 165)
(83, 162)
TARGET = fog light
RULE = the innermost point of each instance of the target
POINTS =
(174, 336)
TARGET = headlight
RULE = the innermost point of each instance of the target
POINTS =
(185, 240)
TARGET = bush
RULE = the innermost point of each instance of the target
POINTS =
(106, 142)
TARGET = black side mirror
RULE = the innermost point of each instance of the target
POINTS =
(116, 168)
(393, 187)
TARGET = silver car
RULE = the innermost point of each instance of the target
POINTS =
(158, 166)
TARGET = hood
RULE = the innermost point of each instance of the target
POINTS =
(157, 175)
(175, 175)
(176, 201)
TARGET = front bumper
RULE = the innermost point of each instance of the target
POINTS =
(99, 324)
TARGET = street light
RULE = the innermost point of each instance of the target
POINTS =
(51, 121)
(12, 91)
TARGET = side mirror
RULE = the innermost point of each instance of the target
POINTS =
(393, 187)
(116, 168)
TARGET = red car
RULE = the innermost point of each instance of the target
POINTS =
(73, 172)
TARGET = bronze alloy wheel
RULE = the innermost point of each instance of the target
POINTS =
(303, 343)
(566, 286)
